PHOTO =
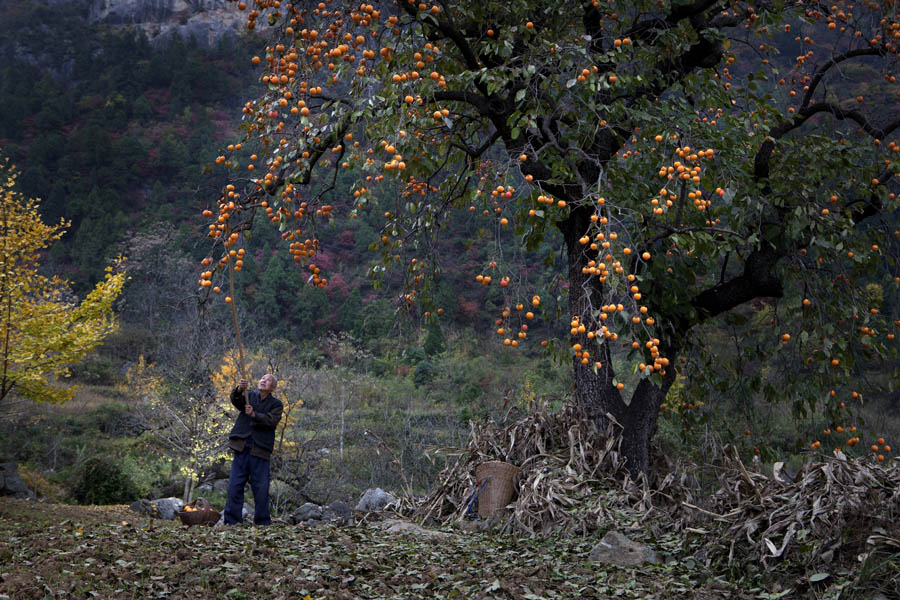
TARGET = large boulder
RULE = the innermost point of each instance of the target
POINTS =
(313, 515)
(615, 548)
(11, 484)
(168, 507)
(375, 499)
(206, 21)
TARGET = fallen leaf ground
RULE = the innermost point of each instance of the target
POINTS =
(51, 550)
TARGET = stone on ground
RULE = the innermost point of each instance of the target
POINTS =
(615, 548)
(374, 499)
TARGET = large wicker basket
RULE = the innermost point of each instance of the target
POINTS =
(498, 481)
(199, 512)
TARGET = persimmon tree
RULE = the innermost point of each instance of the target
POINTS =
(43, 328)
(693, 155)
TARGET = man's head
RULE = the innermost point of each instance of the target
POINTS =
(267, 384)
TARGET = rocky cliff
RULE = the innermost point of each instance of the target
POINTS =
(208, 21)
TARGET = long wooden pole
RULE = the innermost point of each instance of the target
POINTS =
(237, 331)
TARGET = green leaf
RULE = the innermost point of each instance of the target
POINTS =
(819, 577)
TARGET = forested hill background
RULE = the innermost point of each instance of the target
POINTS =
(117, 132)
(110, 131)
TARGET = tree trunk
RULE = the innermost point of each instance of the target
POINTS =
(186, 496)
(638, 418)
(595, 390)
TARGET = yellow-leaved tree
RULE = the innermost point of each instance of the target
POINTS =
(43, 329)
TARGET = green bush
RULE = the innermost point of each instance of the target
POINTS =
(424, 373)
(116, 419)
(468, 393)
(96, 369)
(435, 343)
(414, 355)
(102, 480)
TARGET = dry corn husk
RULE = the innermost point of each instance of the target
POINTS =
(566, 462)
(573, 479)
(831, 503)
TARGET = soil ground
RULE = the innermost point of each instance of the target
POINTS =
(55, 550)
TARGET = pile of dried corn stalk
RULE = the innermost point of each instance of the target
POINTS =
(565, 460)
(573, 479)
(830, 507)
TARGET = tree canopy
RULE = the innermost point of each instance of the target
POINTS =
(43, 329)
(688, 158)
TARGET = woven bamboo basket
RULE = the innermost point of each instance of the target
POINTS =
(201, 513)
(498, 485)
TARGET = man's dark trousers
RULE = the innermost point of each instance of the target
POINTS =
(244, 466)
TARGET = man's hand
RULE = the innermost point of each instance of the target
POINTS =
(242, 384)
(249, 410)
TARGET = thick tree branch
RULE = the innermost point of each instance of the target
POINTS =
(449, 31)
(482, 104)
(763, 156)
(757, 280)
(821, 71)
(647, 29)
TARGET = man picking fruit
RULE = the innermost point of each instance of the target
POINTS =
(252, 439)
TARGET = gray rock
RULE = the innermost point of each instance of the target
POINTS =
(11, 484)
(337, 512)
(221, 485)
(145, 507)
(207, 21)
(168, 507)
(491, 523)
(307, 512)
(375, 499)
(339, 509)
(204, 488)
(617, 549)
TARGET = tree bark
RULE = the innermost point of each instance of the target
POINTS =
(188, 489)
